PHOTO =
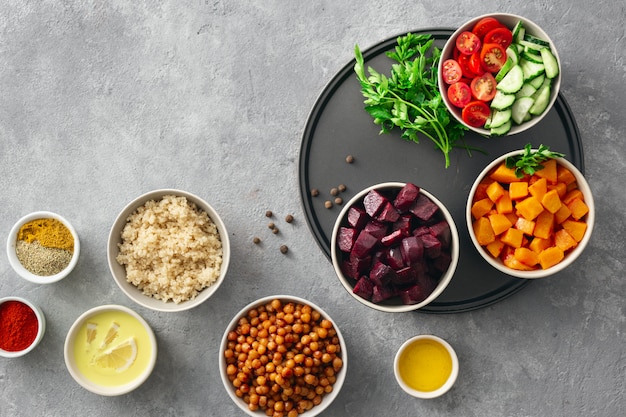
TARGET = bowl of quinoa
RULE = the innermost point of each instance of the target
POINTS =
(168, 250)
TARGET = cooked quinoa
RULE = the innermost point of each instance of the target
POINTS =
(171, 249)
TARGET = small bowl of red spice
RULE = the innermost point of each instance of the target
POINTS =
(43, 247)
(22, 326)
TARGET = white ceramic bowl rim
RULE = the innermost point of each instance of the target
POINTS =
(119, 272)
(40, 330)
(445, 279)
(68, 351)
(569, 258)
(449, 382)
(327, 399)
(509, 20)
(17, 265)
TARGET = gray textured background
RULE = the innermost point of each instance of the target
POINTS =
(101, 101)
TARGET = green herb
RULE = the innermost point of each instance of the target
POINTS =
(530, 161)
(409, 97)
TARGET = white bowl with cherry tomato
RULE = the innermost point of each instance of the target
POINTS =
(499, 74)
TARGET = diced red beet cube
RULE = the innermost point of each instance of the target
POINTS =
(404, 224)
(405, 276)
(357, 217)
(442, 262)
(388, 214)
(364, 288)
(406, 197)
(381, 293)
(441, 231)
(421, 230)
(427, 282)
(423, 208)
(346, 238)
(380, 274)
(360, 265)
(394, 258)
(432, 246)
(412, 250)
(364, 244)
(348, 269)
(413, 294)
(376, 228)
(393, 238)
(373, 202)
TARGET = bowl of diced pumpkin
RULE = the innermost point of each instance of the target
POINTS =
(530, 213)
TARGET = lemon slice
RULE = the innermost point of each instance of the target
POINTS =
(119, 357)
(111, 334)
(92, 330)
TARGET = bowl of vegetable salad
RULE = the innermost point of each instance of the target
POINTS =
(530, 213)
(499, 74)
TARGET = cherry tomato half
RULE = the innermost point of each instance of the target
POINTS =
(484, 25)
(475, 65)
(484, 87)
(465, 67)
(502, 36)
(492, 57)
(475, 113)
(468, 43)
(451, 71)
(459, 94)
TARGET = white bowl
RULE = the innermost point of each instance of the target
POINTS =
(569, 258)
(148, 341)
(119, 272)
(437, 343)
(327, 399)
(17, 265)
(394, 305)
(508, 20)
(41, 329)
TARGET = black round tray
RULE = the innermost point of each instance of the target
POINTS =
(339, 126)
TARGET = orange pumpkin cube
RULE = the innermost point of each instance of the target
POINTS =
(526, 226)
(538, 188)
(499, 223)
(572, 195)
(512, 262)
(551, 201)
(560, 187)
(495, 248)
(575, 229)
(504, 205)
(513, 237)
(562, 214)
(483, 231)
(529, 208)
(578, 208)
(481, 190)
(518, 190)
(564, 175)
(549, 171)
(550, 257)
(544, 225)
(495, 191)
(526, 256)
(504, 175)
(538, 244)
(481, 207)
(564, 241)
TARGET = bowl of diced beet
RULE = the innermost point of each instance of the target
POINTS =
(394, 247)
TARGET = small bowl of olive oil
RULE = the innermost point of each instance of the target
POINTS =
(426, 366)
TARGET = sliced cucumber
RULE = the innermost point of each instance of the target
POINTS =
(502, 100)
(549, 62)
(542, 99)
(537, 81)
(521, 109)
(505, 69)
(518, 32)
(499, 117)
(527, 90)
(531, 69)
(537, 41)
(512, 81)
(512, 53)
(529, 46)
(532, 56)
(501, 130)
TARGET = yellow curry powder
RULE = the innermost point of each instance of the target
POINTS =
(50, 233)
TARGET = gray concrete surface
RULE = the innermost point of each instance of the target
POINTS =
(101, 101)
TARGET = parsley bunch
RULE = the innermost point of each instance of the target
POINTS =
(409, 97)
(530, 161)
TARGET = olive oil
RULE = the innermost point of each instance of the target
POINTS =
(425, 365)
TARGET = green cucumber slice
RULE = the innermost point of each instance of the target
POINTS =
(499, 117)
(512, 81)
(533, 39)
(527, 90)
(505, 69)
(537, 81)
(521, 109)
(531, 69)
(542, 99)
(502, 101)
(518, 31)
(501, 130)
(549, 62)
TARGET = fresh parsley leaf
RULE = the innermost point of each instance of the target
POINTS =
(531, 160)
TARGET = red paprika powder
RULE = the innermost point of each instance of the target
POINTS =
(18, 326)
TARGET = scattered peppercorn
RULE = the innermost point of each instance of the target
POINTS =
(328, 204)
(275, 230)
(289, 218)
(256, 240)
(341, 188)
(349, 159)
(334, 191)
(338, 201)
(315, 192)
(284, 249)
(271, 225)
(269, 213)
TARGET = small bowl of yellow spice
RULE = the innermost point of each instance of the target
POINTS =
(43, 247)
